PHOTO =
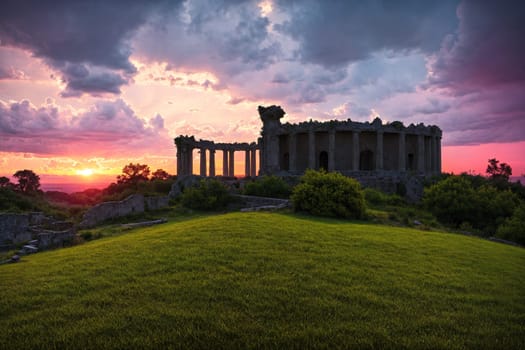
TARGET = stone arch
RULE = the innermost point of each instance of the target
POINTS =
(366, 160)
(323, 160)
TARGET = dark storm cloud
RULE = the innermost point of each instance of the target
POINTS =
(488, 49)
(78, 34)
(335, 33)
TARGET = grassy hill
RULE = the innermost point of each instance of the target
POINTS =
(258, 280)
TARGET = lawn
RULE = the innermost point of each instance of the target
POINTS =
(267, 280)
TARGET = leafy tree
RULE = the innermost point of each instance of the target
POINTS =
(329, 194)
(160, 174)
(498, 171)
(134, 173)
(513, 229)
(28, 181)
(5, 183)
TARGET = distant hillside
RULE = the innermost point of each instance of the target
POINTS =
(258, 280)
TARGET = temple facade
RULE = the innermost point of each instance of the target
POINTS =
(352, 148)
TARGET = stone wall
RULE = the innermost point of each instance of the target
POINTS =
(54, 239)
(14, 228)
(134, 204)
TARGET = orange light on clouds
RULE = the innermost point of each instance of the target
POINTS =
(85, 172)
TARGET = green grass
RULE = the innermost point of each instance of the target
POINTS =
(258, 280)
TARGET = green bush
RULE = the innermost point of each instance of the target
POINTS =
(268, 186)
(329, 194)
(210, 194)
(460, 200)
(513, 229)
(377, 197)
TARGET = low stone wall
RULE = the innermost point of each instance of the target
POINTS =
(55, 239)
(259, 202)
(16, 227)
(134, 204)
(108, 210)
(155, 203)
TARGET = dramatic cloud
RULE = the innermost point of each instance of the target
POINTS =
(336, 33)
(108, 127)
(75, 36)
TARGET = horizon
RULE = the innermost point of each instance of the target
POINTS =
(77, 104)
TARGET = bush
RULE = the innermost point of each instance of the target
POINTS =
(377, 197)
(329, 194)
(513, 229)
(460, 200)
(210, 194)
(268, 186)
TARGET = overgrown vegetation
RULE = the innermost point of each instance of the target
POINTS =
(329, 194)
(268, 186)
(210, 194)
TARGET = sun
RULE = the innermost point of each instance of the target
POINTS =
(85, 172)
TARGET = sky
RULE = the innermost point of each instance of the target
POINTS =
(87, 87)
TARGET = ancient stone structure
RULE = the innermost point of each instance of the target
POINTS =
(378, 155)
(186, 145)
(134, 204)
(351, 148)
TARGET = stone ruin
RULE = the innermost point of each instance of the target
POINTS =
(385, 156)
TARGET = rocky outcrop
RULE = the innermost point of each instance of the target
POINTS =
(183, 182)
(254, 203)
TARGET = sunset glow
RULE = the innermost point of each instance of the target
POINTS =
(77, 105)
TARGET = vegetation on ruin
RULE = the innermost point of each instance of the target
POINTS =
(268, 186)
(257, 280)
(209, 194)
(329, 194)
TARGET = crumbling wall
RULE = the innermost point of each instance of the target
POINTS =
(133, 204)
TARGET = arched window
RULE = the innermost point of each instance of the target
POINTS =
(323, 160)
(366, 160)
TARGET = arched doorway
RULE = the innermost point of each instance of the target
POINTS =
(323, 160)
(410, 161)
(366, 160)
(285, 162)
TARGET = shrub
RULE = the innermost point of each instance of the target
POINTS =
(458, 200)
(210, 194)
(268, 186)
(377, 197)
(513, 229)
(329, 194)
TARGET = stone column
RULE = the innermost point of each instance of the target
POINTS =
(225, 167)
(253, 167)
(180, 162)
(421, 153)
(438, 154)
(203, 161)
(247, 166)
(379, 150)
(231, 164)
(293, 152)
(212, 163)
(402, 152)
(311, 149)
(331, 150)
(355, 151)
(189, 162)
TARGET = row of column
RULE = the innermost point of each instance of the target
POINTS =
(430, 150)
(228, 162)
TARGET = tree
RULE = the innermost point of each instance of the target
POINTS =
(160, 174)
(4, 182)
(497, 171)
(134, 173)
(28, 181)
